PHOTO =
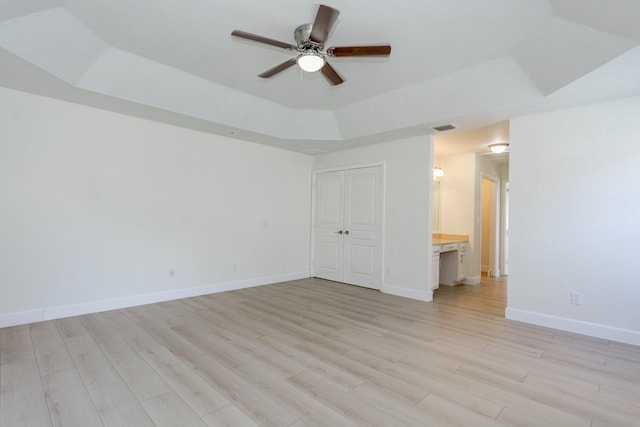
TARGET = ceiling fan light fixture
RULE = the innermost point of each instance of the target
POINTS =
(310, 62)
(310, 47)
(499, 147)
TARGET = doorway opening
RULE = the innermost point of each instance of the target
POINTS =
(490, 234)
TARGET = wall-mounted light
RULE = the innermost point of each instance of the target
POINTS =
(437, 172)
(499, 147)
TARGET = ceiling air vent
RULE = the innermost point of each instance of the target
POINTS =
(444, 127)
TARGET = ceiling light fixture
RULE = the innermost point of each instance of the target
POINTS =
(310, 62)
(499, 147)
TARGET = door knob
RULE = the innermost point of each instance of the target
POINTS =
(339, 232)
(346, 232)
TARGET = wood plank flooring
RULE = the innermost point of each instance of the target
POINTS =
(314, 353)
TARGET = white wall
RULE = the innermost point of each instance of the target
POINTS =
(575, 215)
(408, 189)
(458, 204)
(458, 187)
(97, 207)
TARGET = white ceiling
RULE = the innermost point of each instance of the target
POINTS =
(467, 62)
(473, 141)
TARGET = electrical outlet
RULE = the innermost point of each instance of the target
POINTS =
(172, 272)
(576, 298)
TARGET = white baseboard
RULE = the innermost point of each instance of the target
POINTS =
(472, 280)
(408, 293)
(57, 312)
(596, 330)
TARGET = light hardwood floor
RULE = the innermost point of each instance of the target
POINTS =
(314, 353)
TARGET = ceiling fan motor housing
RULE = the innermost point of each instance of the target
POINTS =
(304, 43)
(302, 33)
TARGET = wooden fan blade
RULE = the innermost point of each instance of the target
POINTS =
(325, 19)
(331, 74)
(382, 50)
(260, 39)
(275, 70)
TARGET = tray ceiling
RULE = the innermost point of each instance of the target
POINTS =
(466, 62)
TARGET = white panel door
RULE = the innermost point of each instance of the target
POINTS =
(363, 227)
(348, 226)
(328, 226)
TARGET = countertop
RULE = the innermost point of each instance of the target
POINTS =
(444, 239)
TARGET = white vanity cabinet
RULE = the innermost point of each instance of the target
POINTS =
(435, 267)
(453, 263)
(449, 259)
(462, 261)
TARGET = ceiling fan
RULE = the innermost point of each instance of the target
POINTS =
(310, 40)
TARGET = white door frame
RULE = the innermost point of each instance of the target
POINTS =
(504, 228)
(313, 210)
